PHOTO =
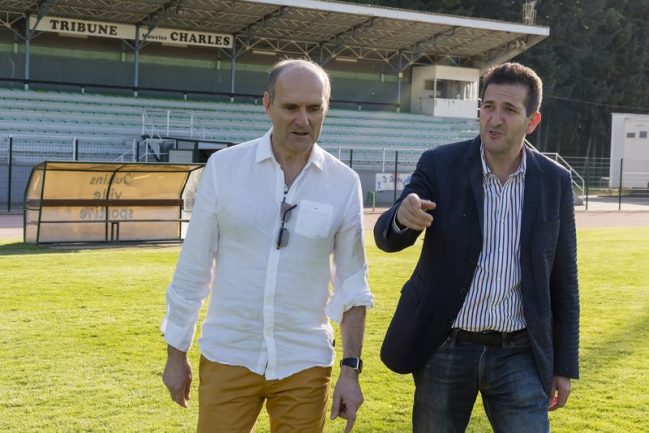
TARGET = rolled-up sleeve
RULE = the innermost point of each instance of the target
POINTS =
(349, 265)
(192, 280)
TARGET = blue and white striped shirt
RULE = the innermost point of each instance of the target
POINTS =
(494, 299)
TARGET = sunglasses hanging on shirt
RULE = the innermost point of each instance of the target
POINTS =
(285, 212)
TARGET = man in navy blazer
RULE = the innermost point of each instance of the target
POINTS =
(492, 305)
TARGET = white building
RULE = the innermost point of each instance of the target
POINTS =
(629, 150)
(445, 91)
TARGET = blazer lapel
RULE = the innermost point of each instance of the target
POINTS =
(473, 169)
(531, 197)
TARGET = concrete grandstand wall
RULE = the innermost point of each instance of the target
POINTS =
(111, 62)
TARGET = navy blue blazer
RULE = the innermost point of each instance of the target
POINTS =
(431, 299)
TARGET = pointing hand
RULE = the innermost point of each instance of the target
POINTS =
(413, 213)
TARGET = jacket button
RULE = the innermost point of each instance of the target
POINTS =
(463, 291)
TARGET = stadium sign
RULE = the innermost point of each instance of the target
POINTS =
(76, 27)
(189, 37)
(385, 181)
(70, 26)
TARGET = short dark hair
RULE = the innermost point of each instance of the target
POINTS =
(515, 73)
(306, 64)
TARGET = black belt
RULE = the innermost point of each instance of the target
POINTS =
(486, 338)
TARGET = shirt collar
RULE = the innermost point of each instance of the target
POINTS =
(265, 151)
(486, 170)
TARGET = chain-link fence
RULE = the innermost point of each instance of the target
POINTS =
(613, 184)
(384, 172)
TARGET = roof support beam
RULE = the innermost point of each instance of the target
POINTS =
(40, 9)
(247, 36)
(343, 37)
(422, 47)
(507, 51)
(398, 38)
(249, 30)
(152, 20)
(9, 20)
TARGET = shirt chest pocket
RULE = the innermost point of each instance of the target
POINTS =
(314, 219)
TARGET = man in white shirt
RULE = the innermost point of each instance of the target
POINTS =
(277, 220)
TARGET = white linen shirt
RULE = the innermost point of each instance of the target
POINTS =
(269, 308)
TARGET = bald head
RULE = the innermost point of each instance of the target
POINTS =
(297, 64)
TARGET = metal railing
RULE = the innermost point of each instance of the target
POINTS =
(166, 123)
(578, 182)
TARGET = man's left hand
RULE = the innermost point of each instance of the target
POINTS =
(347, 397)
(559, 393)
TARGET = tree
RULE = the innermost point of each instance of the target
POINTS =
(593, 64)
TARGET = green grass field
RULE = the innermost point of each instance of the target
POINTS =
(80, 348)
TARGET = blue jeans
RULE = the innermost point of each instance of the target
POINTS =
(506, 376)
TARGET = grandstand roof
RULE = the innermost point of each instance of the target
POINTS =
(322, 30)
